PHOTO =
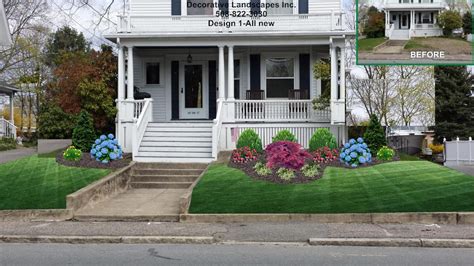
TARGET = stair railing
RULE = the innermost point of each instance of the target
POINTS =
(216, 129)
(140, 124)
(7, 129)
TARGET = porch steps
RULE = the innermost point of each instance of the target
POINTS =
(176, 142)
(400, 35)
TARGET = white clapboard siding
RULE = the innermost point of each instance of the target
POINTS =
(324, 5)
(151, 7)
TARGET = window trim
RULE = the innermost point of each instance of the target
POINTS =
(161, 74)
(263, 70)
(184, 10)
(295, 8)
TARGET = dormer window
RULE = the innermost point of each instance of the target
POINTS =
(200, 7)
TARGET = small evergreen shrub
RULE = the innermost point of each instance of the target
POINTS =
(322, 137)
(72, 154)
(385, 154)
(249, 138)
(244, 155)
(374, 135)
(106, 149)
(355, 153)
(286, 174)
(325, 155)
(284, 135)
(7, 144)
(286, 154)
(84, 134)
(310, 170)
(261, 169)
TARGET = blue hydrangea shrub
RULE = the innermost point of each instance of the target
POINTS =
(355, 153)
(106, 149)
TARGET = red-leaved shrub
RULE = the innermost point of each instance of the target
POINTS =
(286, 154)
(243, 155)
(325, 155)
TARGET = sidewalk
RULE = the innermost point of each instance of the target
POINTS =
(12, 155)
(238, 232)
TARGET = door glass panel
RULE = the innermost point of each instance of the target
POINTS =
(193, 86)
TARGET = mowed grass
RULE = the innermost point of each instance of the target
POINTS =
(403, 186)
(41, 183)
(368, 44)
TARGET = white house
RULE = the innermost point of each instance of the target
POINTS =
(212, 77)
(412, 18)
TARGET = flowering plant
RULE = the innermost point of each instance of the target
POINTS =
(106, 149)
(325, 155)
(72, 154)
(286, 154)
(243, 155)
(355, 153)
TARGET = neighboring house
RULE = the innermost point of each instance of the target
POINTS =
(405, 19)
(209, 83)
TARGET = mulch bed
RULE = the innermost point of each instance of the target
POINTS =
(299, 177)
(88, 162)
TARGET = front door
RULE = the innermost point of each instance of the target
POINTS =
(405, 21)
(194, 91)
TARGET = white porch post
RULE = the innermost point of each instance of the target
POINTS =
(333, 72)
(221, 73)
(230, 78)
(343, 75)
(130, 78)
(12, 115)
(121, 74)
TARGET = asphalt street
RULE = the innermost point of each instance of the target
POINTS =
(226, 254)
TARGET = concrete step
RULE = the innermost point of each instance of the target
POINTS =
(164, 178)
(181, 125)
(149, 143)
(138, 171)
(175, 134)
(148, 159)
(181, 129)
(176, 149)
(163, 154)
(169, 166)
(128, 218)
(160, 184)
(173, 139)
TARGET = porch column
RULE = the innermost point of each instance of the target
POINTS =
(12, 115)
(230, 77)
(130, 78)
(221, 73)
(342, 85)
(333, 72)
(121, 74)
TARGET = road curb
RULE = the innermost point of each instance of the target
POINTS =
(393, 242)
(108, 239)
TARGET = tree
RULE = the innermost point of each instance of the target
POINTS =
(64, 41)
(374, 135)
(449, 20)
(467, 22)
(84, 135)
(375, 27)
(54, 123)
(454, 106)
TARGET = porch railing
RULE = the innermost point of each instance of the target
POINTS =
(216, 130)
(279, 110)
(143, 114)
(7, 129)
(320, 21)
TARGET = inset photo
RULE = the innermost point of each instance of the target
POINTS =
(425, 32)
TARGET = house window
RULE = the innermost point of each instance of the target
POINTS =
(153, 73)
(237, 79)
(280, 77)
(280, 7)
(200, 7)
(426, 18)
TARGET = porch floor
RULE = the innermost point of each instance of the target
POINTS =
(136, 204)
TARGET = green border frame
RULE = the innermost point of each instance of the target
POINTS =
(409, 64)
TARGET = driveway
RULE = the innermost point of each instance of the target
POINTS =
(12, 155)
(467, 169)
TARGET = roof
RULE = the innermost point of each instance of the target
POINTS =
(6, 88)
(5, 38)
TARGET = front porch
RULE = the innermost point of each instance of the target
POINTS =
(405, 24)
(231, 86)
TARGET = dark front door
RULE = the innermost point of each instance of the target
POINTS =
(194, 92)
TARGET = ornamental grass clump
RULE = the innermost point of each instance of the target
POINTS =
(244, 155)
(286, 174)
(355, 153)
(261, 169)
(286, 154)
(72, 154)
(385, 154)
(106, 149)
(310, 170)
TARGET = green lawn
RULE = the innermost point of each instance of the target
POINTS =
(403, 186)
(41, 183)
(368, 44)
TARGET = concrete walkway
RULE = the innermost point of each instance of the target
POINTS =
(136, 205)
(467, 169)
(12, 155)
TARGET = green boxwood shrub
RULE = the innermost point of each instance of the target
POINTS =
(374, 135)
(72, 154)
(322, 137)
(249, 138)
(83, 135)
(284, 135)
